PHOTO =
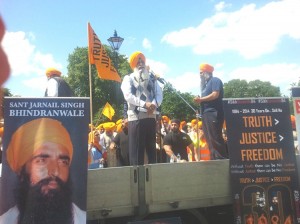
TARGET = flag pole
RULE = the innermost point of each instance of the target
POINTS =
(91, 98)
(90, 82)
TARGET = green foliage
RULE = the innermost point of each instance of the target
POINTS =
(102, 90)
(6, 92)
(174, 106)
(295, 84)
(237, 88)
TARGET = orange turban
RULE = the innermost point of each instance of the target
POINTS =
(293, 120)
(194, 122)
(119, 127)
(133, 60)
(206, 68)
(92, 136)
(119, 121)
(165, 119)
(100, 126)
(1, 131)
(52, 71)
(199, 124)
(182, 124)
(31, 135)
(109, 126)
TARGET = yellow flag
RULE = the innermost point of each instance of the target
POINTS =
(99, 57)
(108, 111)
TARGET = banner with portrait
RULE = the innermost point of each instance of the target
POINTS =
(263, 165)
(44, 173)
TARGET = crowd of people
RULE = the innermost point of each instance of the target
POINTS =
(176, 141)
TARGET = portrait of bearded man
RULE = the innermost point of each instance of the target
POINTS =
(40, 153)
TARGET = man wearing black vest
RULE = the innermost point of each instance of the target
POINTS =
(57, 86)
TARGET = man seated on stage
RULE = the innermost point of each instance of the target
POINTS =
(176, 142)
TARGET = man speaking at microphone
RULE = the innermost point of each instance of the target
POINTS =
(143, 96)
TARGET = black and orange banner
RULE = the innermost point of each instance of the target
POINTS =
(99, 57)
(263, 167)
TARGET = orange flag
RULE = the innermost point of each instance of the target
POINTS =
(99, 57)
(108, 111)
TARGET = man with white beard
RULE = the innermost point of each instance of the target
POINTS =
(143, 96)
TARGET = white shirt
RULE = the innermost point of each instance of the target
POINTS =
(52, 88)
(133, 100)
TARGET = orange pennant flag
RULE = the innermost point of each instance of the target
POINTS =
(99, 57)
(108, 111)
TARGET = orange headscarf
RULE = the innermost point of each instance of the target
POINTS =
(133, 60)
(165, 119)
(182, 124)
(109, 126)
(31, 135)
(52, 71)
(293, 120)
(1, 131)
(206, 68)
(193, 122)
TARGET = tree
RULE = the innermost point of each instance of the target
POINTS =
(174, 106)
(102, 90)
(259, 88)
(237, 88)
(3, 92)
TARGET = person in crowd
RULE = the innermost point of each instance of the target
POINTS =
(176, 142)
(212, 111)
(101, 129)
(4, 65)
(161, 153)
(40, 152)
(105, 141)
(295, 137)
(107, 136)
(165, 128)
(97, 156)
(56, 85)
(4, 73)
(183, 127)
(143, 96)
(203, 152)
(1, 141)
(120, 144)
(189, 127)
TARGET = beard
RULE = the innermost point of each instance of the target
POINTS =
(37, 207)
(125, 129)
(175, 130)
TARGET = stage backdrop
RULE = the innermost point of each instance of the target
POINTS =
(74, 114)
(263, 168)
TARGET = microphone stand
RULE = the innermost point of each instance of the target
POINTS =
(196, 111)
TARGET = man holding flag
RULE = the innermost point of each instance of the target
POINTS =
(143, 96)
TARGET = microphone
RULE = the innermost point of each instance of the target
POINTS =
(140, 71)
(154, 76)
